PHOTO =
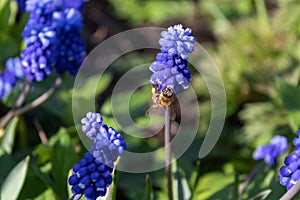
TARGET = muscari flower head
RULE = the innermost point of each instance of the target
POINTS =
(269, 153)
(8, 79)
(171, 66)
(90, 177)
(290, 172)
(52, 38)
(177, 41)
(71, 51)
(108, 143)
(170, 71)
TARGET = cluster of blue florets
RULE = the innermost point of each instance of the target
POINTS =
(269, 153)
(12, 73)
(171, 66)
(52, 38)
(92, 175)
(290, 172)
(108, 143)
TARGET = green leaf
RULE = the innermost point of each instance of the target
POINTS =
(181, 188)
(62, 160)
(46, 195)
(4, 15)
(113, 187)
(148, 195)
(7, 40)
(195, 177)
(7, 142)
(211, 183)
(14, 181)
(262, 195)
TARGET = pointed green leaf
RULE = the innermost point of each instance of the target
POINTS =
(14, 181)
(4, 15)
(181, 188)
(148, 195)
(262, 195)
(7, 142)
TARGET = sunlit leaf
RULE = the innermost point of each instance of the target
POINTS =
(148, 195)
(8, 140)
(14, 181)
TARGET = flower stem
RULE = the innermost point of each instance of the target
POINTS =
(292, 192)
(249, 178)
(38, 101)
(168, 152)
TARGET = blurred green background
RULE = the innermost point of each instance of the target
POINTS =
(254, 43)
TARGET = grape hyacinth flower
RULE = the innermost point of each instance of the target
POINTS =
(290, 172)
(52, 38)
(269, 153)
(90, 177)
(177, 41)
(8, 79)
(108, 143)
(171, 66)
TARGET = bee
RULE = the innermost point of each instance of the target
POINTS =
(162, 98)
(165, 97)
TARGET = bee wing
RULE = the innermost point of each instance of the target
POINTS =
(155, 110)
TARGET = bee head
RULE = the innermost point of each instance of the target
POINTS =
(168, 92)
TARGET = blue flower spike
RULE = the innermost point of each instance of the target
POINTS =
(109, 144)
(93, 174)
(171, 66)
(269, 153)
(290, 172)
(90, 178)
(52, 38)
(177, 41)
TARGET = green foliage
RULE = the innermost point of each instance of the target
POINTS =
(148, 195)
(138, 12)
(7, 141)
(13, 183)
(257, 50)
(51, 166)
(10, 32)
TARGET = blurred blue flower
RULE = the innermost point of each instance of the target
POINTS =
(109, 144)
(8, 78)
(52, 38)
(7, 83)
(14, 65)
(277, 146)
(290, 172)
(176, 40)
(77, 4)
(90, 177)
(170, 71)
(296, 141)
